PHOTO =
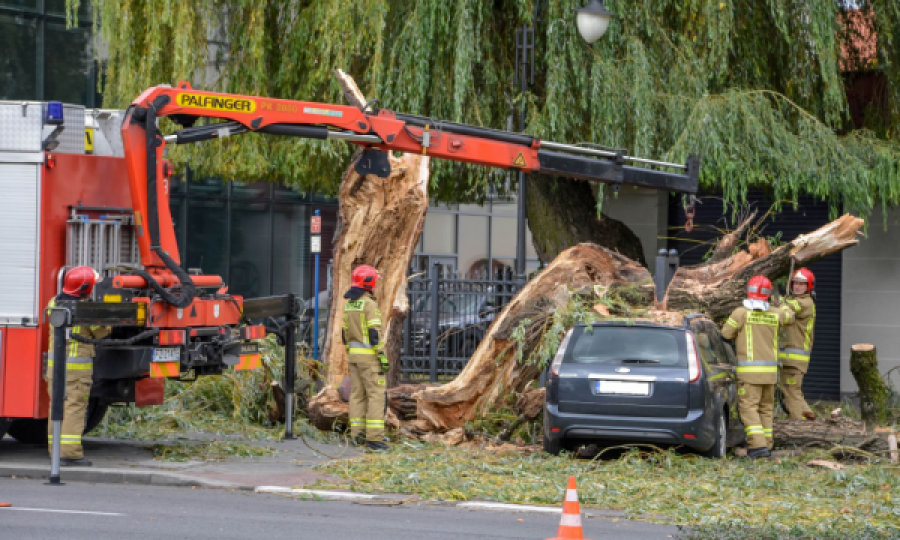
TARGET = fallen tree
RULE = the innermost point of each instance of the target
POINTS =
(718, 287)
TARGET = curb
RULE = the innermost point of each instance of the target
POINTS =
(312, 493)
(97, 475)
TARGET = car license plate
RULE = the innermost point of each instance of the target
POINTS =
(622, 387)
(169, 354)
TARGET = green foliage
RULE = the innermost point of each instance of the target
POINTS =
(232, 406)
(781, 498)
(754, 86)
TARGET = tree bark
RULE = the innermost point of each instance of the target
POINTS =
(874, 396)
(380, 224)
(563, 213)
(494, 370)
(717, 288)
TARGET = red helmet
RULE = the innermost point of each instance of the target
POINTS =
(364, 277)
(80, 281)
(759, 288)
(805, 276)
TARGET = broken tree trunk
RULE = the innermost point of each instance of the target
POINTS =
(717, 288)
(494, 369)
(874, 396)
(381, 220)
(563, 213)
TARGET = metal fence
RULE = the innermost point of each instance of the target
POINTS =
(440, 337)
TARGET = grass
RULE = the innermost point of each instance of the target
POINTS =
(772, 498)
(210, 418)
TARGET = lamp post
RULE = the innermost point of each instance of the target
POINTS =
(592, 21)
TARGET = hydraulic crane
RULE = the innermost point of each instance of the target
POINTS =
(376, 131)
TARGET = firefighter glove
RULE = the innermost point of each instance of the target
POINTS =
(384, 362)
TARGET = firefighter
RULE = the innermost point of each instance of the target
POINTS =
(798, 344)
(368, 364)
(754, 329)
(77, 285)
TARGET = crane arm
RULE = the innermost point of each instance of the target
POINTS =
(376, 131)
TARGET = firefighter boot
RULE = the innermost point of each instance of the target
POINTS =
(809, 415)
(376, 446)
(761, 452)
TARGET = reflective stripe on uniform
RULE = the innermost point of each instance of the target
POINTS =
(758, 366)
(373, 322)
(374, 423)
(731, 322)
(753, 430)
(357, 422)
(75, 362)
(768, 433)
(358, 344)
(809, 329)
(367, 350)
(66, 439)
(794, 354)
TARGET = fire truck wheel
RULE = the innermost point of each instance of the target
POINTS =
(29, 430)
(4, 425)
(94, 414)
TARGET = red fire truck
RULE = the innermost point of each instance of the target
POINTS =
(65, 201)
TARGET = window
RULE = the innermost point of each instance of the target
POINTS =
(473, 247)
(251, 255)
(41, 59)
(207, 237)
(627, 345)
(18, 66)
(440, 234)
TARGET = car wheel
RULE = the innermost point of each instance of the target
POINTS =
(553, 447)
(719, 448)
(29, 430)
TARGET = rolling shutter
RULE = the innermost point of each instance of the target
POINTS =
(18, 242)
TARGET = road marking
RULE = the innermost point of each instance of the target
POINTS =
(510, 507)
(338, 495)
(54, 511)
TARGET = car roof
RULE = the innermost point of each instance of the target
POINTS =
(631, 323)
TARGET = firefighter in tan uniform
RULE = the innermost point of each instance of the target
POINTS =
(754, 328)
(798, 343)
(77, 285)
(368, 365)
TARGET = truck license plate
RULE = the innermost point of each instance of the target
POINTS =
(622, 387)
(168, 354)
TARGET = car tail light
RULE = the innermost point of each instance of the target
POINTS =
(690, 436)
(557, 360)
(693, 357)
(171, 337)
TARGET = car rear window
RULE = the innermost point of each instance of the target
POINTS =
(627, 345)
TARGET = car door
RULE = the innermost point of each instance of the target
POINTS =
(728, 364)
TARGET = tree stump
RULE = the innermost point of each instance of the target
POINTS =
(874, 396)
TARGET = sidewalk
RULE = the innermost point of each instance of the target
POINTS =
(130, 462)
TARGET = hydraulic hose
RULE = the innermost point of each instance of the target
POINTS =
(104, 342)
(188, 289)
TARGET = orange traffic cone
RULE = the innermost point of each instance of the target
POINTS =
(570, 523)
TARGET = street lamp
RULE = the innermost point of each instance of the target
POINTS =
(592, 21)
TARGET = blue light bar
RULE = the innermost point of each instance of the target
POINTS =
(53, 113)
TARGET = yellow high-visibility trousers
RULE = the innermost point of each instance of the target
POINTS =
(368, 402)
(78, 390)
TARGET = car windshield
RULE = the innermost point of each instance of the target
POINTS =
(626, 345)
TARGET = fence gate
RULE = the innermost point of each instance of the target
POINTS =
(440, 337)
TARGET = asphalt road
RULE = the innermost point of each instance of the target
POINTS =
(79, 511)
